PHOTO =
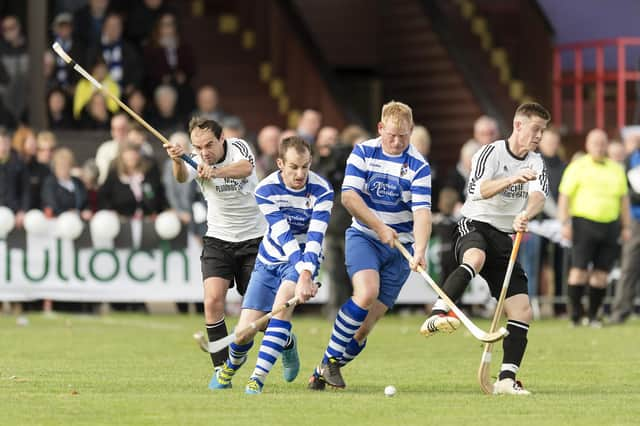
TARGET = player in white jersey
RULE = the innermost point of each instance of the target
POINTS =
(297, 205)
(387, 190)
(226, 175)
(507, 187)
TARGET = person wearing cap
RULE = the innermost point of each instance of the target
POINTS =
(622, 306)
(62, 30)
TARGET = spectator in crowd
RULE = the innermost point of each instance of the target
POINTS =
(14, 68)
(88, 21)
(594, 213)
(329, 161)
(178, 195)
(268, 142)
(353, 134)
(121, 58)
(458, 178)
(232, 127)
(137, 101)
(485, 130)
(95, 115)
(26, 145)
(208, 104)
(63, 76)
(309, 125)
(550, 148)
(165, 116)
(626, 288)
(443, 227)
(46, 142)
(421, 140)
(85, 90)
(58, 111)
(616, 151)
(89, 176)
(108, 150)
(14, 183)
(141, 19)
(133, 188)
(138, 136)
(62, 192)
(327, 139)
(168, 60)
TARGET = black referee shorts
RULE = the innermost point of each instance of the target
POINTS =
(228, 260)
(594, 243)
(497, 246)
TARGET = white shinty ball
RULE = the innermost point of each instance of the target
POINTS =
(7, 221)
(69, 226)
(390, 391)
(168, 225)
(35, 222)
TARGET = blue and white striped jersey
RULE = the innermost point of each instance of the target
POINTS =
(393, 187)
(297, 221)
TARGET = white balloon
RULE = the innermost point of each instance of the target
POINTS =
(199, 212)
(69, 226)
(168, 225)
(7, 221)
(35, 222)
(104, 226)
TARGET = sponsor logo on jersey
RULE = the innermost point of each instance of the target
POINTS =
(384, 189)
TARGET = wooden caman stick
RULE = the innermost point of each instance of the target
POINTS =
(165, 142)
(479, 334)
(485, 361)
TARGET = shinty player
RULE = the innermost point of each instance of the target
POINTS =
(508, 186)
(297, 205)
(226, 175)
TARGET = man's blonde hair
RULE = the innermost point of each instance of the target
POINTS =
(396, 112)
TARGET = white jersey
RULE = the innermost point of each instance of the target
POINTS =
(496, 161)
(232, 212)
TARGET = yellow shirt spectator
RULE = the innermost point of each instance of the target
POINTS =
(84, 91)
(594, 188)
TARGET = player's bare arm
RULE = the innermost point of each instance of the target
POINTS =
(179, 169)
(305, 288)
(421, 233)
(535, 205)
(490, 188)
(238, 170)
(356, 206)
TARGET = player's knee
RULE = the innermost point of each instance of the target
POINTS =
(214, 303)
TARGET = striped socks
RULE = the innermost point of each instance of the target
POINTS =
(349, 319)
(275, 338)
(217, 331)
(513, 346)
(238, 354)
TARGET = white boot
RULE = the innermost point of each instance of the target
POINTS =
(509, 386)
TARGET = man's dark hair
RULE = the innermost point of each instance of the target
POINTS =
(296, 142)
(205, 124)
(533, 108)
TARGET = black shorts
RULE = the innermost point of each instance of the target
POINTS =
(497, 246)
(228, 260)
(594, 243)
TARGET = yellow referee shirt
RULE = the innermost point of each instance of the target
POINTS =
(594, 188)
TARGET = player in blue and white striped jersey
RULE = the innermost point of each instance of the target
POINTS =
(297, 205)
(387, 190)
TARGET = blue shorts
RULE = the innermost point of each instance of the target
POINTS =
(264, 284)
(364, 252)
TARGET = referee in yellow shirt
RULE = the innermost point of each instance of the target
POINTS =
(593, 208)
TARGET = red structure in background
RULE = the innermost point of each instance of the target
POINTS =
(577, 78)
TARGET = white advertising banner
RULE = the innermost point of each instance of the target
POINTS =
(50, 268)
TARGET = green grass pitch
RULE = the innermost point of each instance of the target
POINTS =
(147, 370)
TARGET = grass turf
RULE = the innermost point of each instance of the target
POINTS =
(136, 369)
